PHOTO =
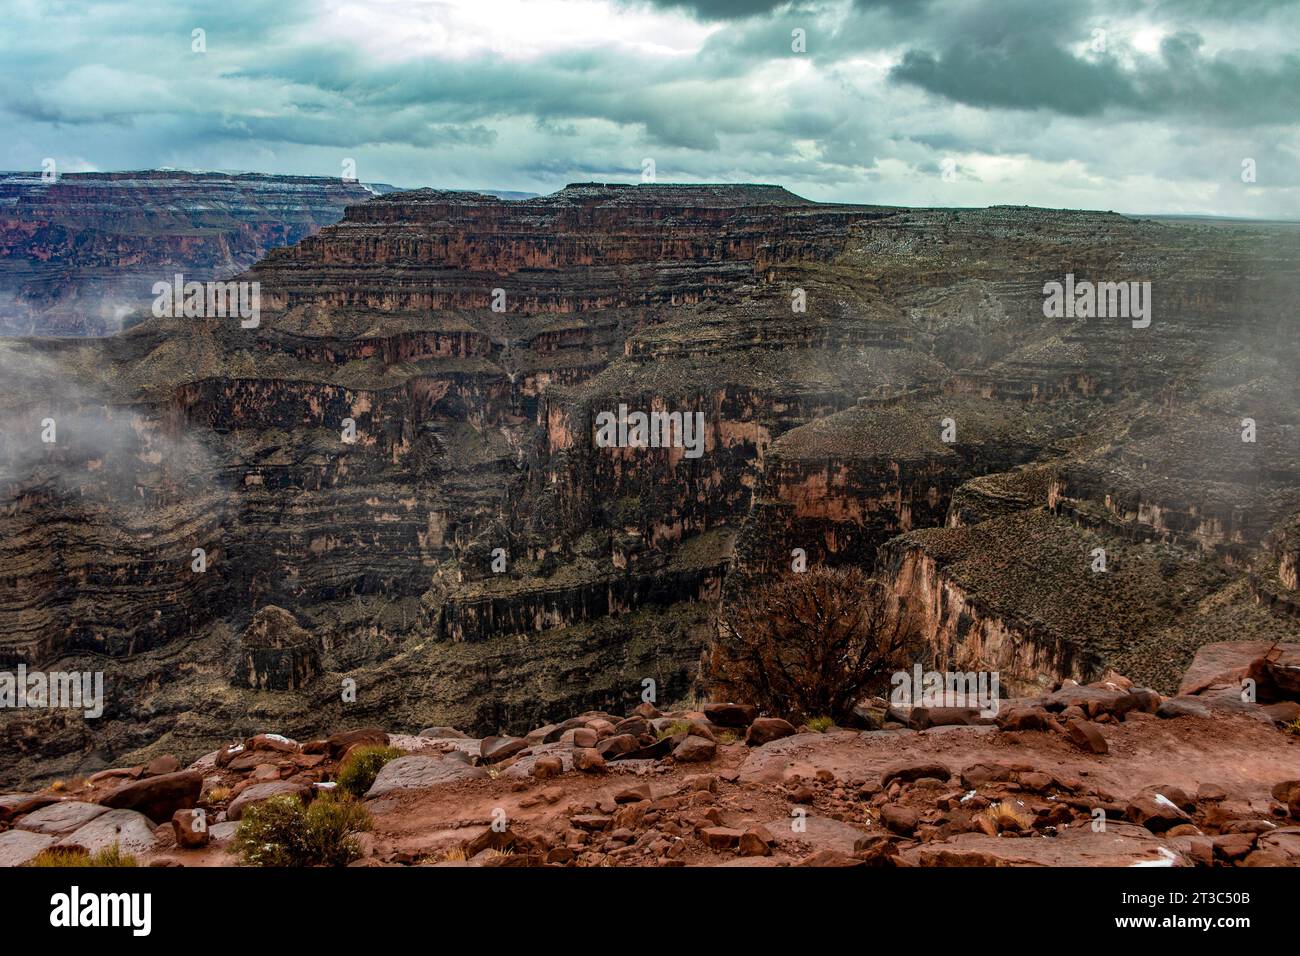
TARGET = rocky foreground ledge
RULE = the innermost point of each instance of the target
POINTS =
(1104, 774)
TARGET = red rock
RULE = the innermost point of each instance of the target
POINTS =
(730, 715)
(756, 841)
(694, 750)
(496, 749)
(190, 828)
(908, 771)
(161, 765)
(341, 743)
(830, 858)
(1085, 735)
(1024, 718)
(611, 748)
(1154, 811)
(548, 766)
(158, 797)
(588, 760)
(275, 742)
(720, 838)
(900, 820)
(764, 730)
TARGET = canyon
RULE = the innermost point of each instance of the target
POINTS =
(80, 253)
(403, 517)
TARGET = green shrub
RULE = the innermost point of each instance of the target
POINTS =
(107, 857)
(282, 831)
(821, 724)
(362, 766)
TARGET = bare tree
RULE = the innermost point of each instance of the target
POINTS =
(812, 644)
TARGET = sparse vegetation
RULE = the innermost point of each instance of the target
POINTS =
(821, 724)
(362, 765)
(673, 729)
(808, 646)
(1293, 728)
(282, 831)
(112, 856)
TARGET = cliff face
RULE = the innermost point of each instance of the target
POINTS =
(81, 254)
(399, 469)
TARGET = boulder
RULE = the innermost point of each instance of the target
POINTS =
(1024, 718)
(547, 766)
(588, 760)
(900, 820)
(720, 838)
(909, 770)
(339, 744)
(264, 791)
(730, 715)
(418, 771)
(764, 730)
(611, 748)
(694, 750)
(1085, 735)
(158, 797)
(190, 828)
(497, 749)
(1155, 811)
(161, 765)
(277, 743)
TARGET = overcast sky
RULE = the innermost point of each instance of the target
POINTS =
(1107, 104)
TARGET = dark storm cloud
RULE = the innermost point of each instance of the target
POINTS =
(1025, 72)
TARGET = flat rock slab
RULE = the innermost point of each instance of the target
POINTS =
(433, 745)
(1120, 845)
(131, 831)
(820, 833)
(419, 771)
(1225, 662)
(19, 846)
(16, 804)
(60, 819)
